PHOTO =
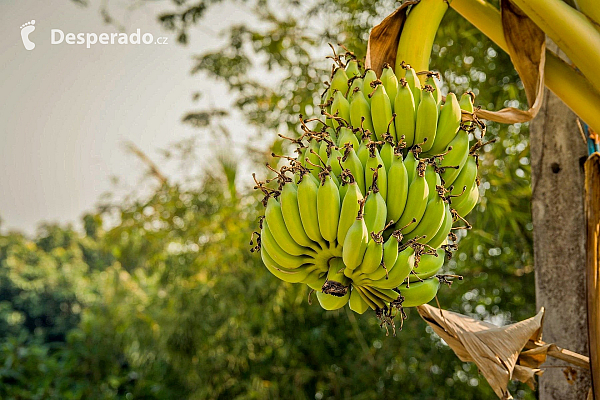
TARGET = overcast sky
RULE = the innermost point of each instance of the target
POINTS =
(67, 110)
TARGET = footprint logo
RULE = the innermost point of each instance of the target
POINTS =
(26, 29)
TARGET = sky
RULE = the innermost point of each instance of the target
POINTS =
(67, 110)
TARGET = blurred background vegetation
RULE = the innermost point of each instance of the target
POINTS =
(160, 298)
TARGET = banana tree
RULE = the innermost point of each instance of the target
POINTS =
(520, 27)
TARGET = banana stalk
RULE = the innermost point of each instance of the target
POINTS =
(419, 30)
(571, 87)
(591, 9)
(570, 30)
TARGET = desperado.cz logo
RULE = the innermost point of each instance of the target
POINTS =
(89, 39)
(57, 37)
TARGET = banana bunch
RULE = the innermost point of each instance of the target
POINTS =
(363, 214)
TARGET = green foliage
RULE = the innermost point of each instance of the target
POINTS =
(166, 301)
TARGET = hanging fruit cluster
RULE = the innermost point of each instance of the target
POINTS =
(365, 211)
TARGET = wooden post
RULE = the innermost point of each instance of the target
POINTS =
(559, 237)
(592, 213)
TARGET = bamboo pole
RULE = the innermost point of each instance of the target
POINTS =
(592, 211)
(569, 85)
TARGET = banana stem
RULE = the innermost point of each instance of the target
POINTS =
(418, 33)
(591, 9)
(571, 87)
(570, 30)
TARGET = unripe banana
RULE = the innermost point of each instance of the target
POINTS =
(416, 202)
(349, 211)
(466, 103)
(367, 299)
(428, 266)
(467, 204)
(339, 82)
(432, 80)
(351, 162)
(465, 180)
(386, 295)
(399, 272)
(352, 69)
(307, 205)
(373, 256)
(274, 217)
(410, 162)
(328, 208)
(292, 276)
(390, 82)
(387, 155)
(363, 153)
(360, 111)
(374, 170)
(315, 279)
(333, 161)
(457, 156)
(346, 136)
(340, 108)
(427, 116)
(442, 233)
(414, 85)
(357, 84)
(419, 293)
(373, 298)
(381, 112)
(448, 124)
(431, 222)
(369, 77)
(397, 181)
(357, 303)
(280, 256)
(291, 215)
(433, 179)
(390, 252)
(404, 107)
(375, 212)
(356, 241)
(330, 303)
(311, 157)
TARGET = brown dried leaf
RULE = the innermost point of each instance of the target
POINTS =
(493, 349)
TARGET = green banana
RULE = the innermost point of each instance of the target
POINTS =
(431, 221)
(357, 303)
(390, 82)
(367, 299)
(352, 69)
(291, 215)
(351, 162)
(274, 217)
(399, 272)
(428, 266)
(387, 154)
(448, 124)
(373, 256)
(357, 84)
(369, 77)
(330, 303)
(328, 208)
(363, 153)
(410, 162)
(433, 179)
(467, 204)
(349, 210)
(433, 82)
(280, 256)
(340, 108)
(390, 251)
(416, 201)
(457, 153)
(345, 137)
(414, 84)
(404, 107)
(442, 233)
(419, 293)
(339, 81)
(356, 240)
(397, 182)
(311, 157)
(292, 276)
(381, 111)
(427, 116)
(375, 212)
(466, 104)
(360, 111)
(307, 205)
(375, 173)
(315, 279)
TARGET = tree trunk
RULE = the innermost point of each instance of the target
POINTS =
(559, 236)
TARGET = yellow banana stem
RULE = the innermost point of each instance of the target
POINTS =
(591, 9)
(418, 34)
(570, 30)
(570, 86)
